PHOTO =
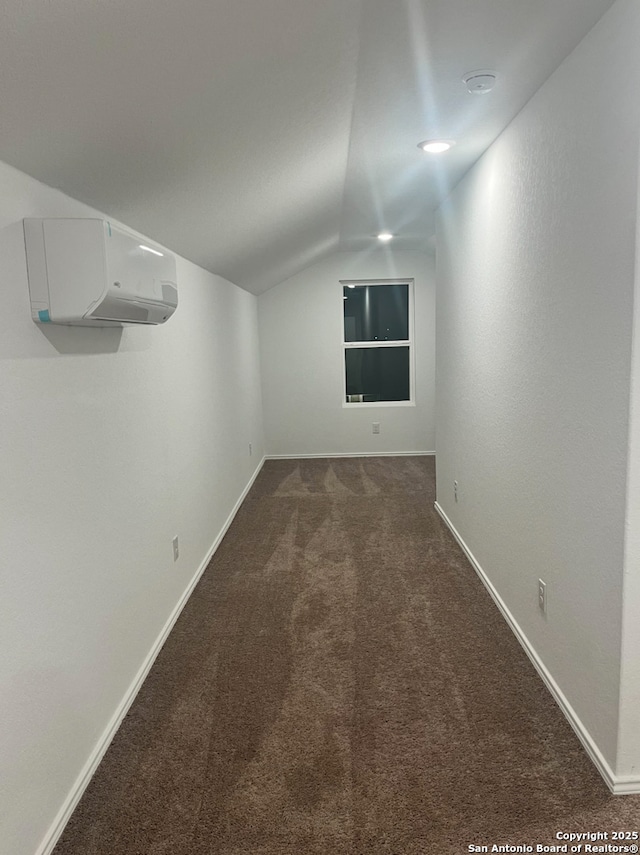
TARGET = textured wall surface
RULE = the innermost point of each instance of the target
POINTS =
(535, 297)
(112, 442)
(302, 361)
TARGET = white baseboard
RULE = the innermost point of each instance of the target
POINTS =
(57, 827)
(332, 454)
(619, 785)
(626, 785)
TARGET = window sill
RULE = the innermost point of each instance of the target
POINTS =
(357, 405)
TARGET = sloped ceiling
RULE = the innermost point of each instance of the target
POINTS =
(256, 136)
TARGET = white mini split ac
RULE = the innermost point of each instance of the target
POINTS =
(90, 273)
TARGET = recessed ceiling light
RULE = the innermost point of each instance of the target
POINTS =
(385, 236)
(436, 146)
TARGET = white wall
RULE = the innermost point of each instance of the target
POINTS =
(302, 361)
(629, 734)
(112, 441)
(535, 297)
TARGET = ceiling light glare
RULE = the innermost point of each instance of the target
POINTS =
(436, 146)
(351, 286)
(148, 249)
(385, 236)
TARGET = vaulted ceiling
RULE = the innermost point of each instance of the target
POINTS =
(256, 136)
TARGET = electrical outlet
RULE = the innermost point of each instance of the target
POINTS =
(176, 548)
(542, 596)
(455, 491)
(250, 449)
(376, 427)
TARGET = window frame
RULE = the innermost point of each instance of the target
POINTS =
(409, 342)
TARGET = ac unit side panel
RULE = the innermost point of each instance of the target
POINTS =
(37, 269)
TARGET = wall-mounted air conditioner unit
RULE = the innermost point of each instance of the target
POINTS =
(90, 273)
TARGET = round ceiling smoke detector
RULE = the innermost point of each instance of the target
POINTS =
(480, 82)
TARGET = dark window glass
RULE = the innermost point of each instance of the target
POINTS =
(377, 374)
(376, 313)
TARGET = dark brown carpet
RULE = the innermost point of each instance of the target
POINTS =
(340, 683)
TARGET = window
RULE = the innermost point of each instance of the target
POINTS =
(377, 342)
